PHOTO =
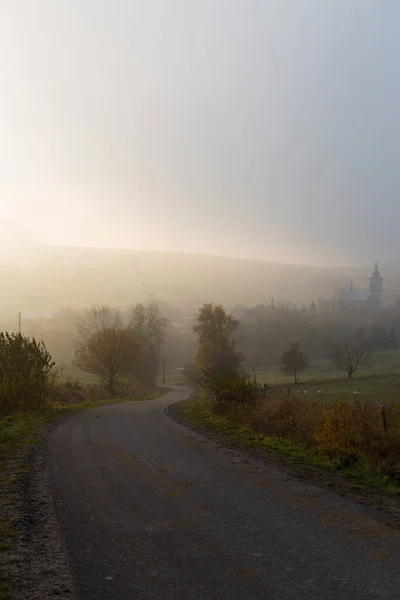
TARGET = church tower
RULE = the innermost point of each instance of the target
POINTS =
(376, 288)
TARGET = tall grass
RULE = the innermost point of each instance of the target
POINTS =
(349, 431)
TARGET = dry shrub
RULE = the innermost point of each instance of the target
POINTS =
(74, 392)
(231, 389)
(287, 416)
(347, 431)
(61, 394)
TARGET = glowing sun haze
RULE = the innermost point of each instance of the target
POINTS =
(263, 128)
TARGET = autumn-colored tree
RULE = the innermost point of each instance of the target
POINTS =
(110, 354)
(294, 361)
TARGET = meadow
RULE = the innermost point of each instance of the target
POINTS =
(379, 380)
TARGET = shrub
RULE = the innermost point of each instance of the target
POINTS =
(27, 373)
(346, 431)
(230, 388)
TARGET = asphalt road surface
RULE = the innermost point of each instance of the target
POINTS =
(150, 509)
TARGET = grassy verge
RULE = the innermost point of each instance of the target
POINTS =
(18, 435)
(198, 413)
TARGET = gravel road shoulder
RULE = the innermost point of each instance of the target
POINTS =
(36, 562)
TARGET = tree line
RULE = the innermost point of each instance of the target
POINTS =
(130, 348)
(265, 332)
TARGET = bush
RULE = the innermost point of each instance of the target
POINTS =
(346, 431)
(230, 388)
(27, 373)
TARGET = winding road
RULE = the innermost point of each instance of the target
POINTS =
(150, 509)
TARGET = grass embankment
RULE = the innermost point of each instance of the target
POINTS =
(343, 436)
(19, 433)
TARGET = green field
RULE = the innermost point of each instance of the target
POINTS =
(380, 380)
(379, 388)
(322, 369)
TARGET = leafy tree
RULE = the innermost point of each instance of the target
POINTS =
(110, 354)
(294, 361)
(99, 317)
(27, 372)
(350, 357)
(214, 329)
(148, 325)
(147, 321)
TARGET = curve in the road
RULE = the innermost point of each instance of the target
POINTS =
(150, 510)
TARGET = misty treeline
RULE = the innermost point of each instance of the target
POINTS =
(63, 332)
(231, 349)
(262, 333)
(139, 343)
(265, 331)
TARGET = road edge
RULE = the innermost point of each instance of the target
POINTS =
(387, 503)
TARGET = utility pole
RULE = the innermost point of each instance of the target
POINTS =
(19, 322)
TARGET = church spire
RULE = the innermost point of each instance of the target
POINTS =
(376, 271)
(375, 281)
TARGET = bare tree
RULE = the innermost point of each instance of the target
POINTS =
(99, 317)
(109, 354)
(350, 358)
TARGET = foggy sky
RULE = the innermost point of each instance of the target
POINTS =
(254, 128)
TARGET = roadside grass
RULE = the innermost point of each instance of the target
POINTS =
(19, 433)
(198, 412)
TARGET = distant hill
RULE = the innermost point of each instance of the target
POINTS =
(61, 277)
